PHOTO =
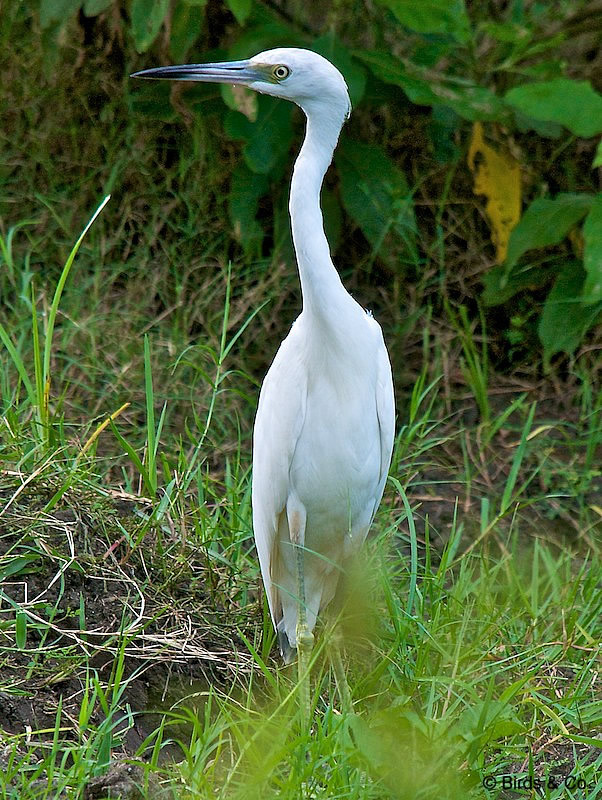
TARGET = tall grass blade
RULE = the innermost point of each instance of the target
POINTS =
(55, 305)
(151, 461)
(19, 365)
(517, 462)
(413, 545)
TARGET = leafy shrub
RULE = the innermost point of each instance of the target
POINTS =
(494, 75)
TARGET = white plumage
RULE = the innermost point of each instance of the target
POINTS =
(325, 422)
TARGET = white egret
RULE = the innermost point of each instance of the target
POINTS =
(324, 427)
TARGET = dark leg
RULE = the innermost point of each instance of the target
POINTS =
(305, 638)
(336, 646)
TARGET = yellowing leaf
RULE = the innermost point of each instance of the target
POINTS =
(497, 176)
(240, 98)
(245, 101)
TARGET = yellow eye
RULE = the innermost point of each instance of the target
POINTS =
(281, 72)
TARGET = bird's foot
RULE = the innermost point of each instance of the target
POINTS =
(305, 639)
(305, 643)
(340, 676)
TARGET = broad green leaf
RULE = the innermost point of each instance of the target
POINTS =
(94, 7)
(573, 104)
(264, 29)
(428, 88)
(241, 9)
(433, 16)
(565, 320)
(592, 253)
(186, 24)
(355, 75)
(268, 139)
(546, 222)
(246, 190)
(389, 69)
(375, 193)
(262, 33)
(549, 130)
(432, 51)
(333, 218)
(147, 17)
(500, 287)
(57, 11)
(507, 32)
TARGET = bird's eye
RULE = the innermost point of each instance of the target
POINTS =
(281, 72)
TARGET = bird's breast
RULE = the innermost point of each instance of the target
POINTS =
(335, 468)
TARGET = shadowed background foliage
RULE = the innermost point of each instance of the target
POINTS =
(406, 226)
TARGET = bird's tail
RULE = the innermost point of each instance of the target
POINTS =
(287, 651)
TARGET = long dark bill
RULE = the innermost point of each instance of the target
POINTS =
(221, 72)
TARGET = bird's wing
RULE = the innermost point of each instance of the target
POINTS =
(278, 424)
(385, 410)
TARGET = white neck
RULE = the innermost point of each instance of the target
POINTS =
(320, 283)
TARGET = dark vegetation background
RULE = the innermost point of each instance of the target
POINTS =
(196, 184)
(464, 208)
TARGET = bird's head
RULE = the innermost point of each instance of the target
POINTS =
(302, 76)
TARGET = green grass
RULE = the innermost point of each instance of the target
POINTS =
(472, 633)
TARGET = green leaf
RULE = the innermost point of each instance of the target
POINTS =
(573, 104)
(549, 130)
(241, 9)
(592, 254)
(546, 222)
(375, 193)
(597, 162)
(433, 16)
(333, 218)
(500, 287)
(268, 139)
(21, 629)
(246, 190)
(565, 320)
(265, 30)
(94, 7)
(507, 32)
(57, 11)
(355, 75)
(442, 132)
(19, 565)
(147, 17)
(186, 25)
(428, 88)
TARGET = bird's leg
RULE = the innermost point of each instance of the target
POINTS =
(305, 638)
(338, 668)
